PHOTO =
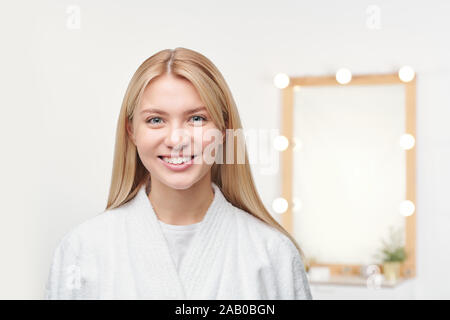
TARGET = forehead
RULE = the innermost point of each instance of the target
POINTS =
(170, 93)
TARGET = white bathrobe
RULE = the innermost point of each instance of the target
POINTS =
(122, 254)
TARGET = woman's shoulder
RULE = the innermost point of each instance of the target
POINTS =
(91, 231)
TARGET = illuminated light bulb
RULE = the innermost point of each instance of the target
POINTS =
(343, 76)
(406, 73)
(280, 205)
(407, 208)
(280, 143)
(281, 80)
(407, 141)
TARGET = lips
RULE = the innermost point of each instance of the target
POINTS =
(177, 167)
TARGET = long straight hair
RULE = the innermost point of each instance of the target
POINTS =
(235, 180)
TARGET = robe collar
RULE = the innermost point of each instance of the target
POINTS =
(154, 269)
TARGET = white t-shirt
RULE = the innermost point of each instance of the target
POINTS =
(179, 237)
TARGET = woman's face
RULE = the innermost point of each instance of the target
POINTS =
(172, 124)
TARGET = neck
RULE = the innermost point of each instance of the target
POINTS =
(181, 207)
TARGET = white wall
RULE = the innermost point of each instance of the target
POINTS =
(62, 90)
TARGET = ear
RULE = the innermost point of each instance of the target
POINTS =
(129, 127)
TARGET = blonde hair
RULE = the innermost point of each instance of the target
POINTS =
(235, 180)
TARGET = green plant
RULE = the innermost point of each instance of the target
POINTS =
(393, 251)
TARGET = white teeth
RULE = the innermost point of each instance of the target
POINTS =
(177, 160)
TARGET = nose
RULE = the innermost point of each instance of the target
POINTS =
(177, 139)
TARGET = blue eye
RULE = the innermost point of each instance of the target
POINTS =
(200, 119)
(149, 120)
(203, 118)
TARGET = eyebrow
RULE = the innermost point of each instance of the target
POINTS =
(159, 111)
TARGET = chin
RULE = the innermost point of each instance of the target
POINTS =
(179, 184)
(181, 181)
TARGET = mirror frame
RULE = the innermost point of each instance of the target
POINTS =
(408, 267)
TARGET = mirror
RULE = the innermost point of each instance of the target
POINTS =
(349, 170)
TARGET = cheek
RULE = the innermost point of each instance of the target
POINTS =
(204, 139)
(209, 145)
(207, 140)
(146, 142)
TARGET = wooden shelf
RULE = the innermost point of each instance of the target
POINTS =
(354, 280)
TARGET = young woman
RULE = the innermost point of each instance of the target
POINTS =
(178, 223)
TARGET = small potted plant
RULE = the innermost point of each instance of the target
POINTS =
(392, 255)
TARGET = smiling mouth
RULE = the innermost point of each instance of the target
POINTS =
(177, 160)
(161, 157)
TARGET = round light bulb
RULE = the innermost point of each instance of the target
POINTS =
(280, 143)
(281, 80)
(343, 76)
(407, 208)
(407, 141)
(280, 205)
(406, 73)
